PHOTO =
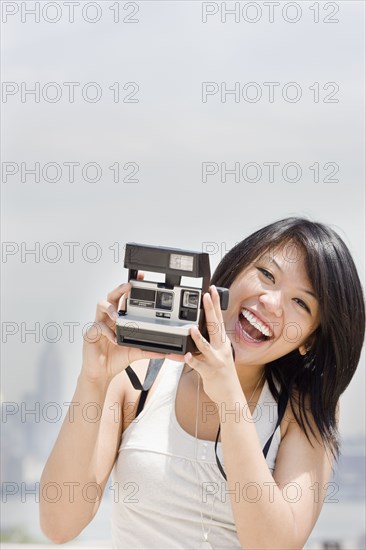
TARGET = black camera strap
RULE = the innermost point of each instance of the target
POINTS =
(281, 408)
(152, 372)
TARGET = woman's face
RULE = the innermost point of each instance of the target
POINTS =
(272, 307)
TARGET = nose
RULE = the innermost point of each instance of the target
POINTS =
(272, 302)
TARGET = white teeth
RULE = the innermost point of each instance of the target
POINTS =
(253, 320)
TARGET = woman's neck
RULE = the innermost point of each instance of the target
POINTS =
(251, 378)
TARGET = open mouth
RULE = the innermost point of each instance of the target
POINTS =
(253, 328)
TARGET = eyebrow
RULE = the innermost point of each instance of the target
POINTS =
(272, 260)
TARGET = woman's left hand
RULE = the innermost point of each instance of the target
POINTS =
(215, 363)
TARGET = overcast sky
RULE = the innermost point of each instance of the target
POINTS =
(163, 114)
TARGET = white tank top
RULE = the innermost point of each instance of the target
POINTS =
(158, 498)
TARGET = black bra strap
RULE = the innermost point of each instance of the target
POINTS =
(281, 407)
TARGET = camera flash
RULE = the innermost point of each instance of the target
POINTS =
(179, 261)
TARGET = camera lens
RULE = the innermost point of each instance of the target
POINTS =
(164, 300)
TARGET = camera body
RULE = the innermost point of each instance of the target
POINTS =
(159, 315)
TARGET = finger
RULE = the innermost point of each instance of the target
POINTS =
(214, 326)
(209, 307)
(201, 343)
(193, 362)
(122, 301)
(215, 296)
(106, 308)
(115, 295)
(119, 294)
(97, 330)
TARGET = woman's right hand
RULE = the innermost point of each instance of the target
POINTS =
(103, 358)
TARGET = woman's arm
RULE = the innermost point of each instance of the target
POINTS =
(81, 460)
(276, 511)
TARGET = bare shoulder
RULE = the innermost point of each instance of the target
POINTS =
(120, 385)
(114, 419)
(121, 392)
(289, 421)
(130, 396)
(290, 427)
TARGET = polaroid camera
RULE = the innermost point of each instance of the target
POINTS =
(158, 315)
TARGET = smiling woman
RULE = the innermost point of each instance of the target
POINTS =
(268, 380)
(299, 278)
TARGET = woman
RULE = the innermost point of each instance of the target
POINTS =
(295, 323)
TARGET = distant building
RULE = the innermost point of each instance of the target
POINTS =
(349, 472)
(28, 435)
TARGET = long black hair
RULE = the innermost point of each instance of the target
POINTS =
(321, 376)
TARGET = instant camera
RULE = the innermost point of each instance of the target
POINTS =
(157, 316)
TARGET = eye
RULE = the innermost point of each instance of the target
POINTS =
(266, 273)
(302, 304)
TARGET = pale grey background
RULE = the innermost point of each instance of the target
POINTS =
(169, 133)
